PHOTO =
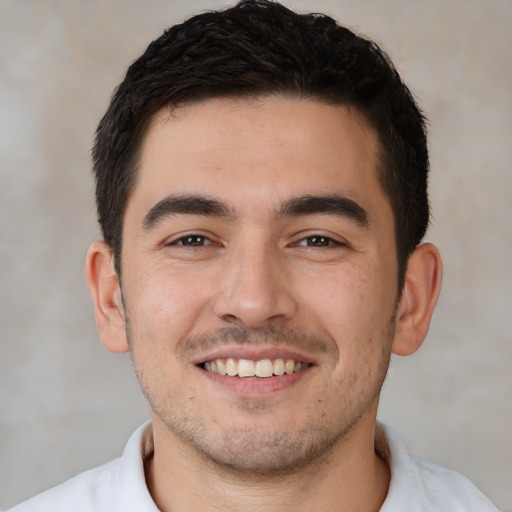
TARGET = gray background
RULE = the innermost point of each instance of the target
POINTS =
(67, 405)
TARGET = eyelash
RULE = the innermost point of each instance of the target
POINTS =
(325, 241)
(181, 241)
(197, 240)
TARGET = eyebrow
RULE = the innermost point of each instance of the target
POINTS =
(186, 205)
(335, 204)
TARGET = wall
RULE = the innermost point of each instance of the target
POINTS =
(67, 405)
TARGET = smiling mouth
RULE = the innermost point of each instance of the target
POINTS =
(263, 368)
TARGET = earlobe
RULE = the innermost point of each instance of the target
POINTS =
(419, 296)
(105, 290)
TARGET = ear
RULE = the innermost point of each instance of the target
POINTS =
(419, 296)
(106, 295)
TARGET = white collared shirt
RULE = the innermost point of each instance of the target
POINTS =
(120, 486)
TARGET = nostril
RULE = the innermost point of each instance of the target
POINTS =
(254, 305)
(232, 319)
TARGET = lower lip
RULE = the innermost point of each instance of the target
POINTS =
(256, 387)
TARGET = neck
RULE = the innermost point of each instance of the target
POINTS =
(351, 477)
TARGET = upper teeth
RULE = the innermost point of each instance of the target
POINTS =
(249, 368)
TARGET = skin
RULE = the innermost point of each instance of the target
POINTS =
(258, 278)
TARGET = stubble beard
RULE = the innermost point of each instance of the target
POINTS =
(247, 451)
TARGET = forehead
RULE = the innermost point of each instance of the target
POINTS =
(258, 151)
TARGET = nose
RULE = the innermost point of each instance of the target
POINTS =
(255, 290)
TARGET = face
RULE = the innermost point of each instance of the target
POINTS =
(259, 279)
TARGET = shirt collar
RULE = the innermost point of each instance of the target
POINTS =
(405, 488)
(132, 492)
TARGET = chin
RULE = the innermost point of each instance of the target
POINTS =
(255, 452)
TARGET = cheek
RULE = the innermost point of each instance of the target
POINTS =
(162, 309)
(164, 305)
(348, 297)
(354, 306)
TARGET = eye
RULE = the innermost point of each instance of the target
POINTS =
(192, 241)
(318, 241)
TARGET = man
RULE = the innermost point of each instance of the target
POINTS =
(262, 192)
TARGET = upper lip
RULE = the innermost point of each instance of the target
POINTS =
(254, 354)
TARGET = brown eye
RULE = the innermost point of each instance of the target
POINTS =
(193, 241)
(318, 241)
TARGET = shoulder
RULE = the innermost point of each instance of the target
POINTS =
(418, 485)
(449, 490)
(87, 492)
(118, 486)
